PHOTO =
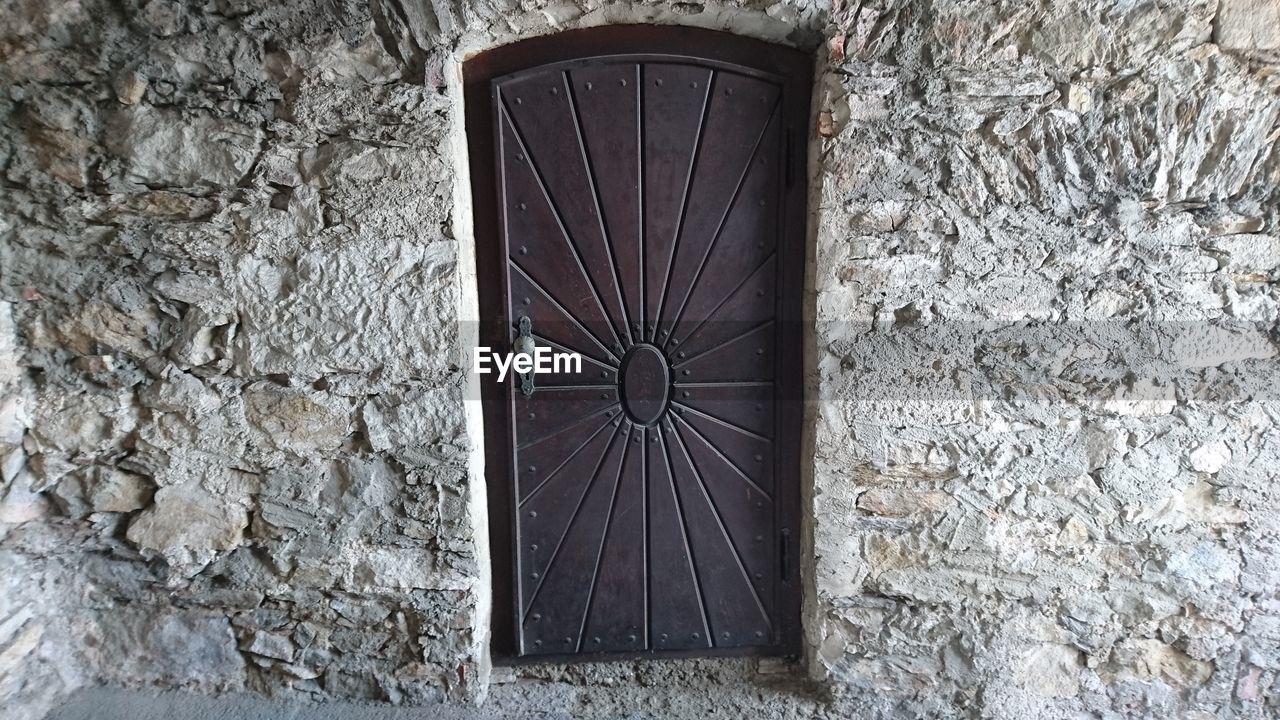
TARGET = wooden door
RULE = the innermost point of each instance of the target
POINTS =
(640, 201)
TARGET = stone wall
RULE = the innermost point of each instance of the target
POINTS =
(1046, 441)
(229, 252)
(236, 255)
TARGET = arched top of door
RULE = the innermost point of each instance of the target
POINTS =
(664, 43)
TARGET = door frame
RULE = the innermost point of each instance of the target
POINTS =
(793, 69)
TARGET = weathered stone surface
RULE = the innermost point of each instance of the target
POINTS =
(80, 424)
(173, 649)
(1249, 253)
(271, 645)
(163, 149)
(1210, 457)
(1249, 25)
(119, 491)
(299, 317)
(301, 423)
(1044, 284)
(1043, 357)
(1053, 671)
(893, 502)
(1154, 660)
(395, 568)
(188, 525)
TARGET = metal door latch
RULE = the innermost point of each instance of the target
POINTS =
(524, 346)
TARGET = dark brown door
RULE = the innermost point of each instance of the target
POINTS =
(639, 201)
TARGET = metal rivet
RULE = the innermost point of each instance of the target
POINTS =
(604, 373)
(635, 438)
(761, 203)
(759, 293)
(533, 468)
(657, 81)
(533, 575)
(533, 548)
(604, 396)
(666, 333)
(685, 393)
(524, 250)
(527, 301)
(519, 158)
(759, 458)
(725, 635)
(617, 421)
(522, 205)
(588, 86)
(664, 637)
(533, 416)
(693, 84)
(759, 505)
(623, 82)
(555, 91)
(635, 326)
(568, 640)
(680, 354)
(728, 91)
(519, 101)
(675, 341)
(595, 640)
(684, 372)
(696, 636)
(653, 439)
(759, 538)
(759, 351)
(537, 643)
(759, 575)
(759, 634)
(533, 513)
(631, 638)
(536, 617)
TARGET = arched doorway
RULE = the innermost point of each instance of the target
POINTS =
(640, 201)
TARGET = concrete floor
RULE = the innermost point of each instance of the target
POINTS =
(114, 704)
(542, 700)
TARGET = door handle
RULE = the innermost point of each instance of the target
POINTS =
(524, 345)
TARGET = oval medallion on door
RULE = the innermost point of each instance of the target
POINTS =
(645, 383)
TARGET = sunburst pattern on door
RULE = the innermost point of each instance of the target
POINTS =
(640, 210)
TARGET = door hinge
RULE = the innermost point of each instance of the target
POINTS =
(784, 554)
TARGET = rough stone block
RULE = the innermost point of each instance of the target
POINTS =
(164, 148)
(1248, 25)
(188, 525)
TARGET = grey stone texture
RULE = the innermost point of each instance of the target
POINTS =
(1042, 403)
